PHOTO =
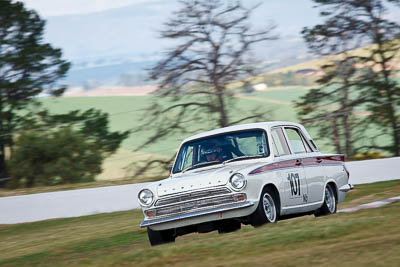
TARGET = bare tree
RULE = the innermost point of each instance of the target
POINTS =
(336, 97)
(331, 107)
(213, 48)
(378, 84)
(358, 78)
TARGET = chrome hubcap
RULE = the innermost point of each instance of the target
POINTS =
(330, 200)
(269, 207)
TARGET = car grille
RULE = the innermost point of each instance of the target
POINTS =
(196, 205)
(192, 196)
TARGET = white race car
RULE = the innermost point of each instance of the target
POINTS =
(252, 174)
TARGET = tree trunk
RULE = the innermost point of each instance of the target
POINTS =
(347, 129)
(3, 168)
(395, 128)
(336, 137)
(393, 119)
(223, 116)
(390, 101)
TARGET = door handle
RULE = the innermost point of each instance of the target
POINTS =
(319, 160)
(298, 162)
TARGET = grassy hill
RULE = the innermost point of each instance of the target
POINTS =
(368, 237)
(289, 75)
(317, 63)
(127, 113)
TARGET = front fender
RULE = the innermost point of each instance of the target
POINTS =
(256, 183)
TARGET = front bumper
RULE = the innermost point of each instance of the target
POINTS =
(346, 188)
(178, 217)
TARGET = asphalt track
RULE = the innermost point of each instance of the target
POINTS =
(371, 205)
(75, 203)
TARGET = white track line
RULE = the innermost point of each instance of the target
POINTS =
(372, 205)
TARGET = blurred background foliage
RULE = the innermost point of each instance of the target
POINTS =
(348, 96)
(51, 158)
(42, 148)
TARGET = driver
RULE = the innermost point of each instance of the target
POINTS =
(211, 152)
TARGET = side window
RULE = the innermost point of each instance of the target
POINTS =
(296, 141)
(280, 146)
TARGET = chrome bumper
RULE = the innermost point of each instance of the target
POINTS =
(197, 213)
(346, 188)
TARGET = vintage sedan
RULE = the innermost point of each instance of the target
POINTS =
(247, 174)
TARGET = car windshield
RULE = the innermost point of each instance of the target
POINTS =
(221, 148)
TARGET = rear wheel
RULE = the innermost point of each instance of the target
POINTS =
(161, 237)
(267, 209)
(330, 203)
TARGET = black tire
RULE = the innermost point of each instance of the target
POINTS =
(330, 203)
(229, 226)
(161, 237)
(267, 210)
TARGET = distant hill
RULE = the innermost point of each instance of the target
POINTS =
(114, 47)
(111, 91)
(107, 72)
(301, 74)
(113, 78)
(317, 63)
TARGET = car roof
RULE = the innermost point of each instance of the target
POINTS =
(248, 126)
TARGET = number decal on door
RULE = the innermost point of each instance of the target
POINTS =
(294, 181)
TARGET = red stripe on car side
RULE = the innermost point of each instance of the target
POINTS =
(312, 161)
(319, 160)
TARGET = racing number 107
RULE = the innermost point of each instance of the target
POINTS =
(294, 181)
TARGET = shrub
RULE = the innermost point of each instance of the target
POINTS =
(368, 155)
(58, 157)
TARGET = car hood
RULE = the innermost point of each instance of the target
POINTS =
(201, 178)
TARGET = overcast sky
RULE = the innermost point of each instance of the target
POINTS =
(48, 8)
(99, 28)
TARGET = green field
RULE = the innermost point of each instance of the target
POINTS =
(127, 113)
(368, 237)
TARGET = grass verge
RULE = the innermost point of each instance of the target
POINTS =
(355, 239)
(365, 193)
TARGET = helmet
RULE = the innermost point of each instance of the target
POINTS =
(210, 149)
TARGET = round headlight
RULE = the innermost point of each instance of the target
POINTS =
(146, 197)
(237, 181)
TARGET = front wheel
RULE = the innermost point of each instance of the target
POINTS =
(267, 209)
(330, 203)
(161, 237)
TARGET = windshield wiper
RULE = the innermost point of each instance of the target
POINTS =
(244, 157)
(201, 164)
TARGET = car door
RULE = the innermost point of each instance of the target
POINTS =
(290, 170)
(298, 151)
(315, 172)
